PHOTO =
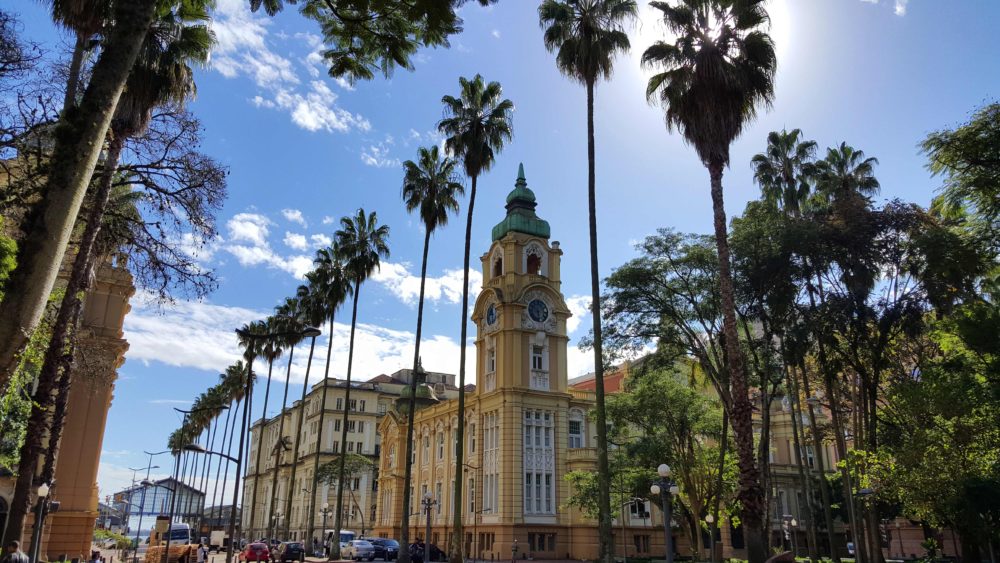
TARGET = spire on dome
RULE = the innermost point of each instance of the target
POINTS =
(521, 215)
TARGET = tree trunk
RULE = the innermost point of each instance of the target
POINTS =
(793, 392)
(719, 479)
(75, 64)
(302, 418)
(79, 139)
(279, 447)
(59, 356)
(750, 494)
(458, 544)
(218, 468)
(213, 436)
(824, 487)
(260, 443)
(604, 531)
(404, 552)
(335, 552)
(319, 431)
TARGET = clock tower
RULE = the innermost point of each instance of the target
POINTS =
(520, 314)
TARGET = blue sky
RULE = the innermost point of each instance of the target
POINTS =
(304, 150)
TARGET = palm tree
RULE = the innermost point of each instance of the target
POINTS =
(710, 81)
(586, 35)
(845, 176)
(79, 140)
(85, 18)
(784, 170)
(270, 349)
(362, 243)
(331, 285)
(477, 125)
(161, 76)
(288, 320)
(429, 186)
(310, 310)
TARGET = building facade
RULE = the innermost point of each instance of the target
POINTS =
(140, 505)
(525, 426)
(289, 510)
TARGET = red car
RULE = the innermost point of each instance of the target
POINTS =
(255, 552)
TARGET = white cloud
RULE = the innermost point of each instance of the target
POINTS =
(579, 305)
(243, 49)
(378, 155)
(406, 286)
(294, 216)
(320, 240)
(201, 335)
(495, 33)
(900, 8)
(248, 243)
(328, 220)
(295, 241)
(249, 227)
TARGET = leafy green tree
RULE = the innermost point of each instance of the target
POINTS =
(363, 243)
(587, 35)
(477, 124)
(710, 82)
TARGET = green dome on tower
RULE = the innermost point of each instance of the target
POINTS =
(521, 215)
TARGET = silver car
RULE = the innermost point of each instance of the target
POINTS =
(359, 550)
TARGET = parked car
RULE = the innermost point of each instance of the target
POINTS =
(385, 549)
(359, 550)
(289, 551)
(255, 552)
(417, 553)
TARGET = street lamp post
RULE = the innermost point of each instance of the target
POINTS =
(710, 520)
(788, 525)
(428, 503)
(325, 511)
(197, 448)
(42, 508)
(142, 501)
(666, 489)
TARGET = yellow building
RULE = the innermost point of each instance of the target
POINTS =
(525, 427)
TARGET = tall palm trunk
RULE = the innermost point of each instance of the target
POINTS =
(604, 531)
(338, 519)
(319, 431)
(56, 366)
(218, 468)
(260, 443)
(750, 494)
(404, 533)
(824, 488)
(75, 64)
(793, 392)
(62, 346)
(457, 521)
(234, 532)
(78, 143)
(298, 439)
(213, 435)
(279, 447)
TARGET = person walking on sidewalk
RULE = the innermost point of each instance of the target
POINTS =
(13, 554)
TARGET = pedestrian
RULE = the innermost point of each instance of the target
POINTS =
(95, 557)
(202, 553)
(12, 553)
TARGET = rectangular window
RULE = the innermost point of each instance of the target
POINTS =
(351, 425)
(362, 405)
(336, 423)
(440, 446)
(471, 492)
(472, 438)
(350, 446)
(361, 426)
(360, 448)
(491, 360)
(536, 357)
(437, 497)
(383, 408)
(336, 446)
(810, 457)
(353, 404)
(576, 434)
(340, 403)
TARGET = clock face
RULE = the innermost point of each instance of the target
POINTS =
(491, 315)
(538, 311)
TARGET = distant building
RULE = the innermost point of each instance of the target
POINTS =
(283, 511)
(141, 504)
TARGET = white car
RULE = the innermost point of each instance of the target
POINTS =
(359, 550)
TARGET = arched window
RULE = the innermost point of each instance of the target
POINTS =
(534, 264)
(498, 266)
